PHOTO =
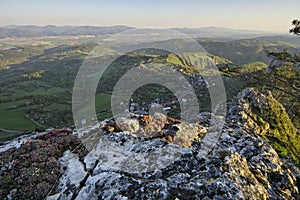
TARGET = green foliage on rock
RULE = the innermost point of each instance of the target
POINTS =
(253, 67)
(276, 127)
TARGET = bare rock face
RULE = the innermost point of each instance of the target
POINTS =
(188, 133)
(157, 157)
(157, 126)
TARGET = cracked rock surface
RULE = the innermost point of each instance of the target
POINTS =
(138, 159)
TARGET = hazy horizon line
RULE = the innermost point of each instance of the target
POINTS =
(159, 27)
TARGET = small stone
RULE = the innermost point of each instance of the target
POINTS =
(169, 138)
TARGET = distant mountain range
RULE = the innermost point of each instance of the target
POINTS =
(51, 30)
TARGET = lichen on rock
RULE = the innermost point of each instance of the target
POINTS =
(158, 157)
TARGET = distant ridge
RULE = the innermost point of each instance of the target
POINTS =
(51, 30)
(212, 31)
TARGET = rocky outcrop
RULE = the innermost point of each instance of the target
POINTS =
(258, 113)
(156, 126)
(157, 157)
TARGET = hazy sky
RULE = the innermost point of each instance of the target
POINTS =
(267, 15)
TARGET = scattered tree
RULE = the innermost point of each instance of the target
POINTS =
(296, 29)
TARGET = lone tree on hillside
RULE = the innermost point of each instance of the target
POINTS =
(296, 29)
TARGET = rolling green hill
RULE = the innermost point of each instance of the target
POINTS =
(36, 80)
(248, 50)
